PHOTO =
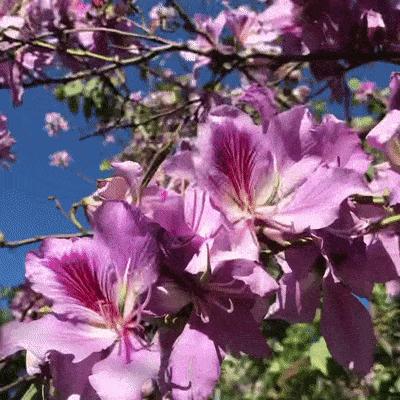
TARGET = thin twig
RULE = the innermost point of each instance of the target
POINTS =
(101, 131)
(35, 239)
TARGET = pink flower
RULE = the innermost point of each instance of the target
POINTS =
(60, 159)
(6, 142)
(109, 138)
(55, 123)
(365, 91)
(99, 288)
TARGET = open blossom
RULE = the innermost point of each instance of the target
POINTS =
(284, 176)
(161, 16)
(60, 159)
(55, 123)
(99, 288)
(227, 293)
(6, 142)
(365, 91)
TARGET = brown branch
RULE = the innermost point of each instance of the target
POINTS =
(114, 64)
(35, 239)
(101, 131)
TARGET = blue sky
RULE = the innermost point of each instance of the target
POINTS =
(24, 208)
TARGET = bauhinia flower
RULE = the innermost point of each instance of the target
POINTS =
(293, 176)
(6, 142)
(223, 302)
(55, 123)
(99, 288)
(60, 159)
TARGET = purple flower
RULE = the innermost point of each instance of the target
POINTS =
(55, 123)
(285, 176)
(162, 16)
(228, 296)
(393, 289)
(60, 159)
(6, 142)
(365, 91)
(394, 100)
(99, 288)
(375, 26)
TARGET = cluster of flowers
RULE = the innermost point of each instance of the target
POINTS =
(6, 142)
(172, 279)
(79, 34)
(299, 27)
(77, 20)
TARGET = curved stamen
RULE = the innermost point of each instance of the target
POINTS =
(229, 309)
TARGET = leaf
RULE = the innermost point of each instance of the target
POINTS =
(319, 107)
(363, 123)
(319, 356)
(354, 84)
(73, 104)
(59, 92)
(87, 108)
(105, 165)
(90, 86)
(73, 89)
(31, 393)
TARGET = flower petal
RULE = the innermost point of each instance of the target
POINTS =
(114, 378)
(316, 203)
(347, 328)
(192, 370)
(51, 334)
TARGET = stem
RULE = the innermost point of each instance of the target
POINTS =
(35, 239)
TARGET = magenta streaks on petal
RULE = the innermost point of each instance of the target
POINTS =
(82, 282)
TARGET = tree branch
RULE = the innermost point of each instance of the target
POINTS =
(103, 130)
(13, 244)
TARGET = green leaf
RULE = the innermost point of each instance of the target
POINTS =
(90, 86)
(105, 165)
(363, 123)
(320, 107)
(31, 393)
(73, 104)
(354, 84)
(73, 88)
(59, 93)
(319, 356)
(87, 108)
